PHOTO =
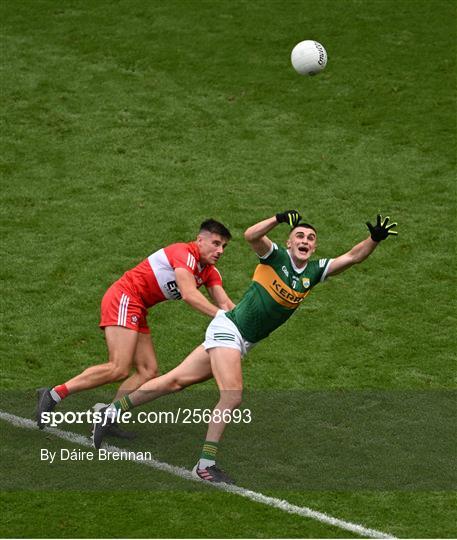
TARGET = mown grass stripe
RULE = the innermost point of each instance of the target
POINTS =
(280, 504)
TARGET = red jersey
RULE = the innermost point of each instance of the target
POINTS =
(154, 279)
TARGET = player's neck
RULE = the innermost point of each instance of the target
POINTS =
(297, 265)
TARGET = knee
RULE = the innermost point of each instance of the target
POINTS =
(147, 373)
(237, 399)
(176, 385)
(152, 373)
(231, 399)
(118, 373)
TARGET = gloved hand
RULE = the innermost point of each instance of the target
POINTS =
(292, 217)
(381, 230)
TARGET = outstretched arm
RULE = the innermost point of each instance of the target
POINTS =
(256, 234)
(220, 297)
(191, 295)
(364, 249)
(355, 256)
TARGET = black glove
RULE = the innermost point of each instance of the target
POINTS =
(292, 217)
(381, 230)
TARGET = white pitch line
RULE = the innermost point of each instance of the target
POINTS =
(184, 473)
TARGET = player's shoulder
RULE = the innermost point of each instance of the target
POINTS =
(180, 248)
(273, 254)
(318, 263)
(317, 268)
(177, 245)
(183, 254)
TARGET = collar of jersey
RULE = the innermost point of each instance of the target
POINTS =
(297, 270)
(194, 249)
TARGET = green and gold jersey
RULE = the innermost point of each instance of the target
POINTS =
(276, 291)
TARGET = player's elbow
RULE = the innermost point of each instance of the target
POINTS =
(248, 236)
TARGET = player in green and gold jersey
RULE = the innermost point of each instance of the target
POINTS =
(281, 281)
(283, 278)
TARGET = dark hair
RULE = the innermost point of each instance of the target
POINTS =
(306, 225)
(215, 227)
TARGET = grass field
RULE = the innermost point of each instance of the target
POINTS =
(124, 125)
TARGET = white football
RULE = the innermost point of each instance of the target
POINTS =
(308, 57)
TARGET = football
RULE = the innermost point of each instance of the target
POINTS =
(308, 57)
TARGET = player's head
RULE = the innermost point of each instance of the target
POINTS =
(215, 227)
(212, 239)
(302, 243)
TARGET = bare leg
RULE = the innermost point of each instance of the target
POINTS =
(194, 369)
(145, 365)
(226, 367)
(121, 344)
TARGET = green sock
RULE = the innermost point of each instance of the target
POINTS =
(123, 404)
(209, 451)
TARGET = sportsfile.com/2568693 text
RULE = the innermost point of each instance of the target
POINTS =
(180, 416)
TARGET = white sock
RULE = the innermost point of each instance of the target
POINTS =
(110, 412)
(55, 396)
(204, 463)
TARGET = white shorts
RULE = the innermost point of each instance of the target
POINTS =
(222, 332)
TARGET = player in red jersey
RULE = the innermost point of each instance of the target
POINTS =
(174, 272)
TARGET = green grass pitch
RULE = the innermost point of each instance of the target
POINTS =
(124, 125)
